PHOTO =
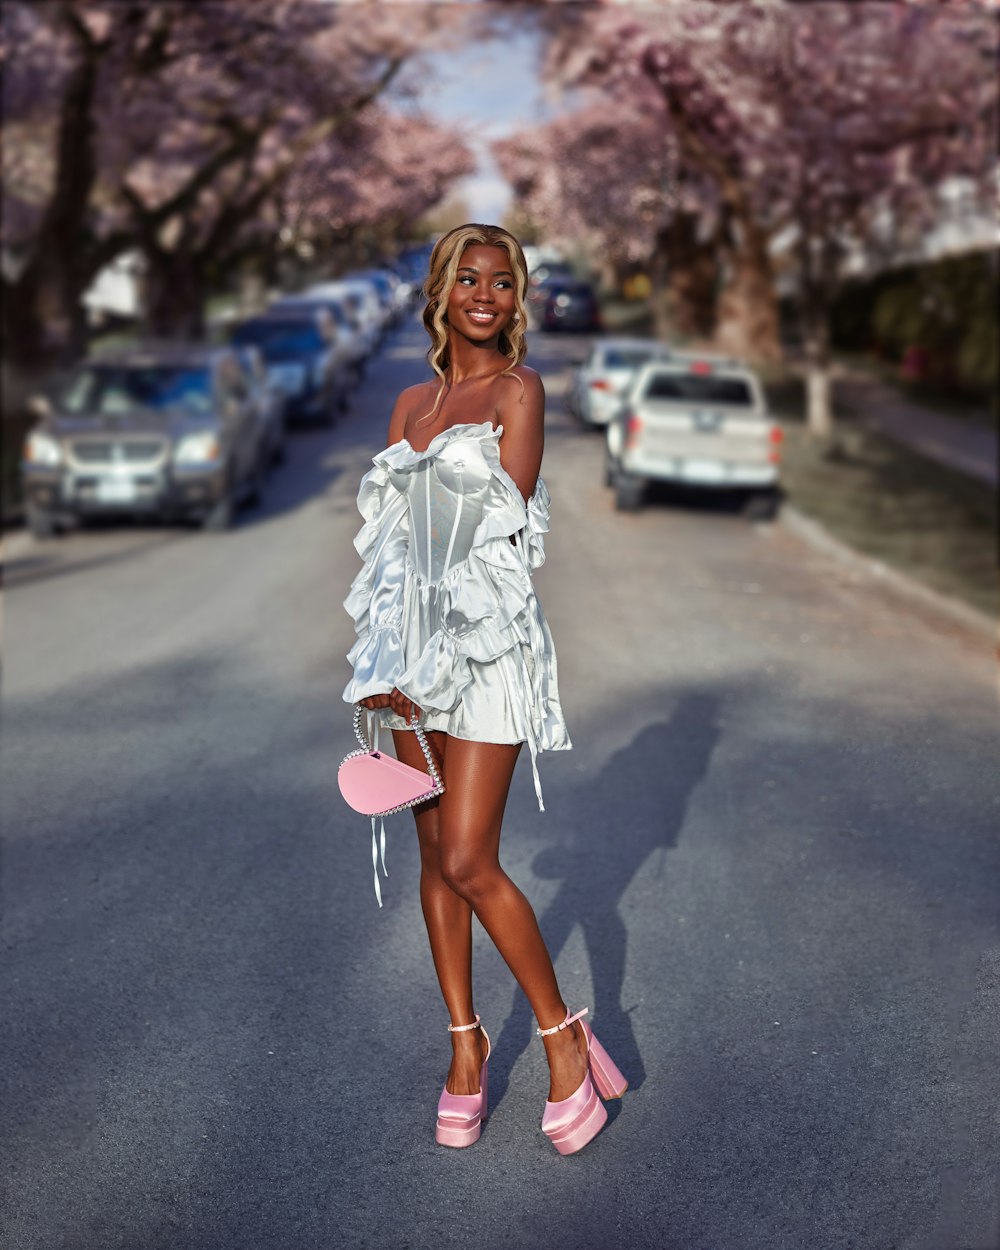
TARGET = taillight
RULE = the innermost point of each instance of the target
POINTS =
(776, 436)
(633, 428)
(601, 384)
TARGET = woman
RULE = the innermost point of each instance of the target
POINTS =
(450, 631)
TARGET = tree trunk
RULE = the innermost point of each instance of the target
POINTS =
(175, 294)
(819, 405)
(685, 275)
(26, 345)
(748, 324)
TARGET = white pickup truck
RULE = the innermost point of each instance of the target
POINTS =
(699, 421)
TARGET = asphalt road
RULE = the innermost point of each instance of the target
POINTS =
(769, 867)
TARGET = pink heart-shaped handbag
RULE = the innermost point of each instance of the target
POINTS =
(376, 784)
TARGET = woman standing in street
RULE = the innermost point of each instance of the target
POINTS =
(450, 631)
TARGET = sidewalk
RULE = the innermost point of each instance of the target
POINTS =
(963, 445)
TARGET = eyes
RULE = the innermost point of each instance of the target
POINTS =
(466, 279)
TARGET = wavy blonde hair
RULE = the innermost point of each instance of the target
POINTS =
(443, 274)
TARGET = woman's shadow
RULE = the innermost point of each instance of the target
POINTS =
(634, 806)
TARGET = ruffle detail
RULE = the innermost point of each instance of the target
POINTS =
(376, 658)
(487, 603)
(375, 598)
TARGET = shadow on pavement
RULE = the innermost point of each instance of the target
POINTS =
(643, 805)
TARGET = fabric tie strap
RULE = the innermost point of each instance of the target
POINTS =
(378, 847)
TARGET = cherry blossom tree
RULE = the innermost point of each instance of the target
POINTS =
(173, 127)
(820, 127)
(371, 180)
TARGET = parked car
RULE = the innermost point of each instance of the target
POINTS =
(361, 300)
(300, 352)
(388, 285)
(165, 430)
(551, 270)
(269, 402)
(697, 420)
(347, 345)
(568, 306)
(411, 266)
(541, 281)
(597, 385)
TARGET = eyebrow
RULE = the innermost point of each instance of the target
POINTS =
(496, 272)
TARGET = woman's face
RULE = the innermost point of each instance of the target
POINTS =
(481, 302)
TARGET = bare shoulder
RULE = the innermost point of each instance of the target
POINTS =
(532, 380)
(412, 397)
(412, 401)
(522, 397)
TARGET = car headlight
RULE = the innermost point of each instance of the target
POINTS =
(200, 448)
(42, 449)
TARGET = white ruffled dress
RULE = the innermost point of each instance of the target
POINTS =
(444, 606)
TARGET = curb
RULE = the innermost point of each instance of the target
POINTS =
(819, 538)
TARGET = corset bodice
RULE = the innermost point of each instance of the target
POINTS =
(446, 496)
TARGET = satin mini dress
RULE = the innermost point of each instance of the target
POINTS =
(444, 605)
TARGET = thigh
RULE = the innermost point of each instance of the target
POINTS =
(408, 752)
(477, 779)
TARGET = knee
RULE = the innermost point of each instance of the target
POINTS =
(470, 874)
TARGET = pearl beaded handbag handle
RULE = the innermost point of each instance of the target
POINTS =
(414, 724)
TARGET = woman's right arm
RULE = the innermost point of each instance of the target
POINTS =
(393, 699)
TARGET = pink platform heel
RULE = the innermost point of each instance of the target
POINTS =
(460, 1116)
(573, 1122)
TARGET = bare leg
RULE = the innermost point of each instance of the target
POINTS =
(469, 816)
(448, 918)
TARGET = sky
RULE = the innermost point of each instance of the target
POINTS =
(489, 88)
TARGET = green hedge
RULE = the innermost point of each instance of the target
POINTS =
(945, 311)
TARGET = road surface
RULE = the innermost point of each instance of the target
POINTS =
(769, 867)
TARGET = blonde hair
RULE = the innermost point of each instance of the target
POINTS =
(445, 260)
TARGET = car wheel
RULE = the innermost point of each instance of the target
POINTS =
(610, 470)
(629, 492)
(762, 505)
(221, 515)
(41, 523)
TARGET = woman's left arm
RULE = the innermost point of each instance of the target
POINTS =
(522, 415)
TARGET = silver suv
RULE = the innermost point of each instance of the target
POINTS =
(169, 430)
(700, 421)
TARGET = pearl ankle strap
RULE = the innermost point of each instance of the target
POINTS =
(463, 1028)
(565, 1024)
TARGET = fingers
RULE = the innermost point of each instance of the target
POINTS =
(403, 706)
(396, 700)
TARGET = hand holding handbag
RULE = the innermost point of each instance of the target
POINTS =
(377, 785)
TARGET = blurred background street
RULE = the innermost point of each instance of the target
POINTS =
(762, 243)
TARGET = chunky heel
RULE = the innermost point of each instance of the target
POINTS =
(574, 1121)
(607, 1076)
(460, 1116)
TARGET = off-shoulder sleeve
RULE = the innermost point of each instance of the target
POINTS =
(375, 600)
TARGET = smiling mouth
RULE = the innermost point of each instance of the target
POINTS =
(481, 316)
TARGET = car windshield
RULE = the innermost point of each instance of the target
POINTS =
(620, 358)
(576, 290)
(699, 388)
(280, 340)
(114, 390)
